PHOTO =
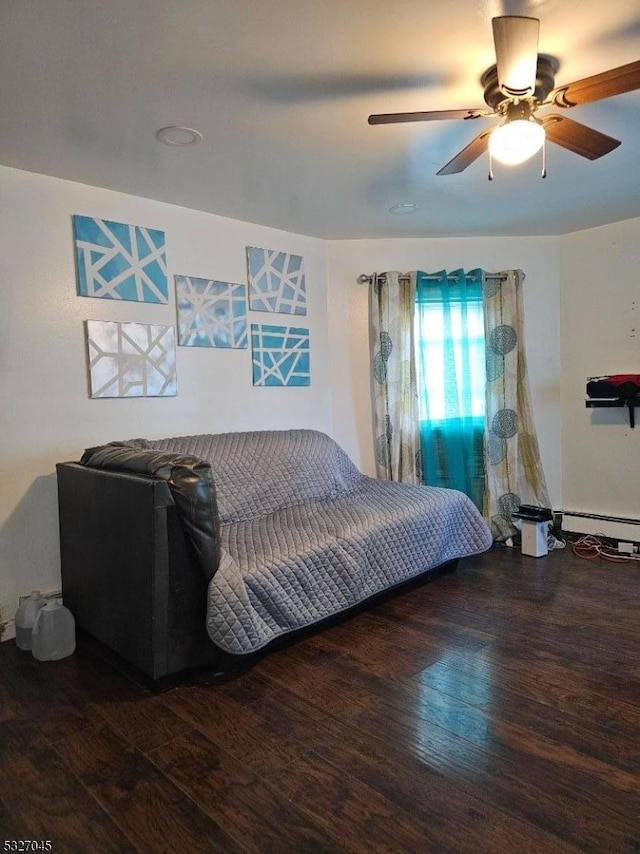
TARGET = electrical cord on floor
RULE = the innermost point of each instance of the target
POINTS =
(591, 547)
(554, 542)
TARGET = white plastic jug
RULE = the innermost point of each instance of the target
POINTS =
(54, 633)
(26, 618)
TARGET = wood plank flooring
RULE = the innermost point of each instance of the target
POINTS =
(493, 710)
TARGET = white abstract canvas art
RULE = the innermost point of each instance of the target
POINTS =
(211, 313)
(276, 281)
(131, 359)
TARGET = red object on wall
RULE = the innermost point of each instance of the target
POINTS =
(615, 385)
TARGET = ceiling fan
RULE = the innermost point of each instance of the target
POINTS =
(515, 88)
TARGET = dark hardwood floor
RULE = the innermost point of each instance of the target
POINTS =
(493, 710)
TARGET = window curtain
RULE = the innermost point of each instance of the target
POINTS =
(451, 380)
(395, 403)
(514, 472)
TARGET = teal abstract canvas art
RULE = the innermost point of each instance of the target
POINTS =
(280, 355)
(120, 262)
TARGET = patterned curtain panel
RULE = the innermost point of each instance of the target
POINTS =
(394, 396)
(514, 472)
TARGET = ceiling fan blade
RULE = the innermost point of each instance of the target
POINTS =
(467, 156)
(578, 138)
(516, 43)
(616, 81)
(432, 116)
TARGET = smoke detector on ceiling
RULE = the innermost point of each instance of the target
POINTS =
(178, 135)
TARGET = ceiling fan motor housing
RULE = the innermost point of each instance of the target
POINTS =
(545, 76)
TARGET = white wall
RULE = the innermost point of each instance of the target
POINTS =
(600, 335)
(46, 414)
(348, 327)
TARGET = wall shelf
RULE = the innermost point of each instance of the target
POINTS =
(629, 402)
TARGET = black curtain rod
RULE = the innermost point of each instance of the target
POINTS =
(366, 280)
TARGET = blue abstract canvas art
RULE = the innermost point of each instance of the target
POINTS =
(131, 359)
(211, 313)
(276, 281)
(280, 355)
(121, 262)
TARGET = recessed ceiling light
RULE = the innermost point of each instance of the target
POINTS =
(176, 135)
(403, 209)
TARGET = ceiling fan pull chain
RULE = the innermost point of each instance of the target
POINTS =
(544, 159)
(490, 175)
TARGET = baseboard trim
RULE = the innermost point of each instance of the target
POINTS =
(622, 519)
(9, 630)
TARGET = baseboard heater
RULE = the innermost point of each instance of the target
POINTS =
(618, 519)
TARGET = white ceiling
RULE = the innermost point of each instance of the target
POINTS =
(281, 91)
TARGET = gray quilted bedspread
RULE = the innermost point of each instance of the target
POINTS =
(304, 535)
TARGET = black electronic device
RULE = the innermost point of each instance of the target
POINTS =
(531, 513)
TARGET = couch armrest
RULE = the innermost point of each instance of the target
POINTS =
(192, 488)
(129, 571)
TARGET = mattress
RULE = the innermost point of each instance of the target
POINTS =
(295, 567)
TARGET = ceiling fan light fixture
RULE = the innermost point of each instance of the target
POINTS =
(516, 141)
(521, 82)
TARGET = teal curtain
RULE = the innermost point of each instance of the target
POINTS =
(451, 378)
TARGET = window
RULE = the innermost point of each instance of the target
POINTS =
(465, 340)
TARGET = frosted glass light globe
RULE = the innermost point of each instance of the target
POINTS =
(516, 141)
